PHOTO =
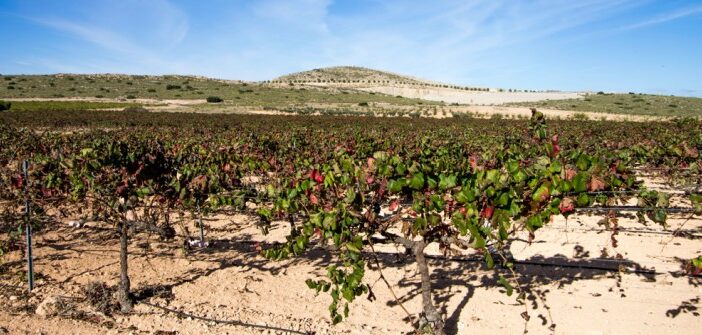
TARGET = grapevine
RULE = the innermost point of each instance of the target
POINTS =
(346, 184)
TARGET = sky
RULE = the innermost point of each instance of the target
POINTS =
(610, 45)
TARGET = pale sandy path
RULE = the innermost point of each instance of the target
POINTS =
(449, 95)
(556, 113)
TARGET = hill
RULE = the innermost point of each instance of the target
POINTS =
(348, 75)
(344, 89)
(388, 83)
(129, 87)
(359, 77)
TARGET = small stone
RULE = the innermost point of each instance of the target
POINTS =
(80, 223)
(13, 298)
(48, 307)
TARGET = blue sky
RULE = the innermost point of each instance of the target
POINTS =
(611, 45)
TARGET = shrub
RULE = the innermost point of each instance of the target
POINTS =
(213, 99)
(363, 104)
(172, 87)
(151, 90)
(580, 117)
(131, 96)
(5, 105)
(135, 109)
(100, 297)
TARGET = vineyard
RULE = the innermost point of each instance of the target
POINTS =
(386, 214)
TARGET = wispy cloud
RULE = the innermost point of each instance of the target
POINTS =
(501, 23)
(667, 17)
(307, 14)
(101, 37)
(445, 39)
(159, 26)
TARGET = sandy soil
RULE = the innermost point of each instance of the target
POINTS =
(228, 289)
(450, 95)
(557, 113)
(480, 111)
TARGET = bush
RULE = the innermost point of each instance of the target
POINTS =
(135, 109)
(213, 99)
(363, 104)
(100, 297)
(580, 117)
(5, 105)
(172, 87)
(131, 96)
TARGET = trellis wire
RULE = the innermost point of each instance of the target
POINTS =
(635, 209)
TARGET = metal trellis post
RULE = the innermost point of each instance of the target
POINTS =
(28, 227)
(202, 229)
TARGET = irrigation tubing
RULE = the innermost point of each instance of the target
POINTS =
(227, 322)
(686, 233)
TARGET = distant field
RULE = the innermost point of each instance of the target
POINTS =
(67, 105)
(179, 87)
(634, 104)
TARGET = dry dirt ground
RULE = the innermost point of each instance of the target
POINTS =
(228, 289)
(450, 95)
(477, 111)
